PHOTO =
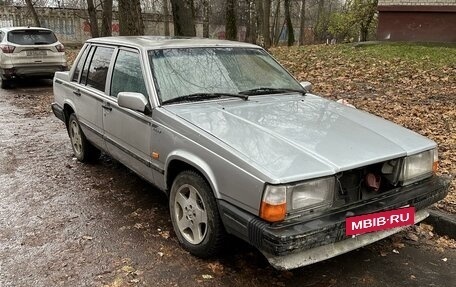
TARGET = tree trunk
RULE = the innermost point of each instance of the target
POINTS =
(32, 10)
(106, 24)
(93, 19)
(276, 24)
(130, 18)
(165, 16)
(206, 15)
(290, 31)
(230, 21)
(259, 18)
(266, 23)
(183, 17)
(302, 26)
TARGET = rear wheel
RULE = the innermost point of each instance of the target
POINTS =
(83, 150)
(195, 215)
(5, 83)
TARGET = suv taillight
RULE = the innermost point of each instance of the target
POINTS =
(60, 48)
(7, 49)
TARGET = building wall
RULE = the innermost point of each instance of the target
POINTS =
(417, 20)
(71, 25)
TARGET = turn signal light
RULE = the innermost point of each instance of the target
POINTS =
(273, 213)
(435, 166)
(274, 204)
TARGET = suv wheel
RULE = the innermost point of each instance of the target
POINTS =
(5, 83)
(195, 215)
(82, 148)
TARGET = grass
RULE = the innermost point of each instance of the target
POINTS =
(426, 55)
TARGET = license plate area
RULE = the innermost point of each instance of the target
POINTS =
(383, 220)
(36, 53)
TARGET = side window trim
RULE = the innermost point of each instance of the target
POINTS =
(87, 63)
(83, 58)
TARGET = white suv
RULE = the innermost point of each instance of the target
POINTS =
(29, 51)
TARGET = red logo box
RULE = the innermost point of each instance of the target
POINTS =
(379, 221)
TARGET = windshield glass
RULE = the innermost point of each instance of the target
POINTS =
(31, 37)
(180, 72)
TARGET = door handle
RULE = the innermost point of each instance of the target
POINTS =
(77, 93)
(107, 107)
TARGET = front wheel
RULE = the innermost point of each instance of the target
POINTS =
(195, 215)
(83, 150)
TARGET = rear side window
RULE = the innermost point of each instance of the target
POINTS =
(32, 37)
(98, 69)
(77, 70)
(127, 75)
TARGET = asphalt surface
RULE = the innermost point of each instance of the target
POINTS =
(63, 223)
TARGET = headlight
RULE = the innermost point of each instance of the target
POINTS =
(419, 166)
(312, 194)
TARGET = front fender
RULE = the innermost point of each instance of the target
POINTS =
(198, 163)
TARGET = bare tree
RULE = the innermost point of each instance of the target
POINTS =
(93, 19)
(206, 16)
(106, 24)
(34, 14)
(276, 24)
(266, 23)
(165, 16)
(183, 17)
(259, 15)
(230, 20)
(290, 31)
(302, 22)
(130, 18)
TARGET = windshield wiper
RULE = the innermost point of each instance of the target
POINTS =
(267, 91)
(203, 96)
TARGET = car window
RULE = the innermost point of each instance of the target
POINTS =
(183, 71)
(79, 65)
(32, 37)
(85, 70)
(98, 69)
(2, 35)
(127, 75)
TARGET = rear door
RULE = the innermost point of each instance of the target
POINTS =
(89, 90)
(127, 132)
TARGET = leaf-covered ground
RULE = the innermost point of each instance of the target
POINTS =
(412, 85)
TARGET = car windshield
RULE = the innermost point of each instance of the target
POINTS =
(185, 71)
(31, 37)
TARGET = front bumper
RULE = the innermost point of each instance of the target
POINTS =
(321, 236)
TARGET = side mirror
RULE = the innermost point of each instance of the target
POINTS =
(133, 101)
(307, 86)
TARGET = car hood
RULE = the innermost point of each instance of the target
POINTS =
(291, 137)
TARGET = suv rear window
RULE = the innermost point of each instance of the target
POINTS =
(32, 37)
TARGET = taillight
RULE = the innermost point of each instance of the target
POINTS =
(7, 49)
(60, 48)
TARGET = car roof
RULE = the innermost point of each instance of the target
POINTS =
(160, 42)
(8, 29)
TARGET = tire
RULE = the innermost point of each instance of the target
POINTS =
(5, 83)
(83, 150)
(195, 216)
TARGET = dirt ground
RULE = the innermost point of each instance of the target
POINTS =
(63, 223)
